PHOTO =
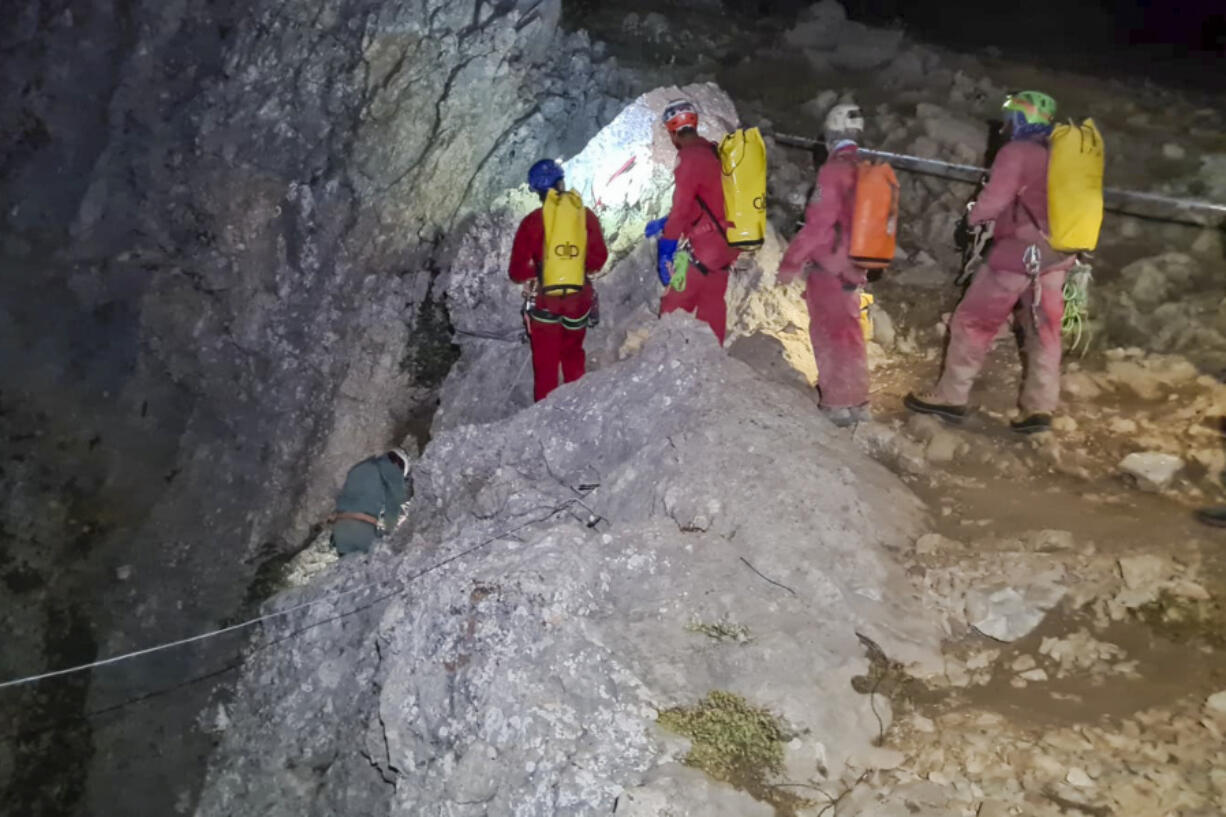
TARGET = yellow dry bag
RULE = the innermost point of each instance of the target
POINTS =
(866, 319)
(1075, 187)
(742, 154)
(565, 267)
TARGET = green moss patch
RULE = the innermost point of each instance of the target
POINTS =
(736, 743)
(723, 630)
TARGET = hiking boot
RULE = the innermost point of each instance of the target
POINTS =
(1214, 517)
(861, 414)
(841, 417)
(950, 414)
(1032, 424)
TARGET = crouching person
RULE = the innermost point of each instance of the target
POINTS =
(374, 487)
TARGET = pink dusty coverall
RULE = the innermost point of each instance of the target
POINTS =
(699, 182)
(831, 291)
(1016, 199)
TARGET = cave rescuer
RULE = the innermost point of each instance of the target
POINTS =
(1021, 268)
(832, 286)
(374, 487)
(693, 237)
(556, 247)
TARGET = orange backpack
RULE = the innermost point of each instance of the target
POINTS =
(874, 222)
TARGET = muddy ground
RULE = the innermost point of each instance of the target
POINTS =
(1104, 707)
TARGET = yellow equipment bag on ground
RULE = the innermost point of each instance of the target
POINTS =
(742, 154)
(565, 267)
(1075, 187)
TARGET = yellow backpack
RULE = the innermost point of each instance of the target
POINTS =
(565, 267)
(1075, 187)
(742, 154)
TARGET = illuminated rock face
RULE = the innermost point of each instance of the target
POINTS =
(617, 530)
(625, 174)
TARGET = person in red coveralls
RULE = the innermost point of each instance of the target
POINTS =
(697, 218)
(564, 298)
(1022, 270)
(820, 252)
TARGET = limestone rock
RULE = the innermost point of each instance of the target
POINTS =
(1152, 470)
(944, 446)
(256, 196)
(958, 134)
(1144, 571)
(526, 670)
(679, 791)
(1009, 613)
(818, 27)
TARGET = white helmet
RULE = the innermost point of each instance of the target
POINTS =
(845, 120)
(403, 457)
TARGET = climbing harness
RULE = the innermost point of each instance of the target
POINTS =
(545, 316)
(1077, 306)
(355, 516)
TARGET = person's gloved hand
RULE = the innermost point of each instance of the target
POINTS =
(664, 257)
(654, 228)
(788, 273)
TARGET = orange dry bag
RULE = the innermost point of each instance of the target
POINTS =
(874, 221)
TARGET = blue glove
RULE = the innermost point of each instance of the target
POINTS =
(664, 257)
(654, 228)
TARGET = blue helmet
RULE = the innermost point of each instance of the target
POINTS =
(544, 175)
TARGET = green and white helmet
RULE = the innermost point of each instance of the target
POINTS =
(1029, 108)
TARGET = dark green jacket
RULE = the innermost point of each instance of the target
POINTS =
(374, 486)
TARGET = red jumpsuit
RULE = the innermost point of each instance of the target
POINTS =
(553, 344)
(699, 176)
(831, 289)
(1015, 198)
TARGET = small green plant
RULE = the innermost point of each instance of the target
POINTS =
(722, 630)
(735, 742)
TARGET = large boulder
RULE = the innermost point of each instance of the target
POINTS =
(830, 40)
(557, 585)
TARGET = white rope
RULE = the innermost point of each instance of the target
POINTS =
(242, 625)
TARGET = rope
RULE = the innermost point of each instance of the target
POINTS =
(1077, 307)
(242, 625)
(511, 336)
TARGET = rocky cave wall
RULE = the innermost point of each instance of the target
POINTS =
(221, 221)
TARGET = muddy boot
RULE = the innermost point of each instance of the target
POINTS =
(841, 417)
(861, 414)
(1032, 424)
(920, 405)
(1215, 516)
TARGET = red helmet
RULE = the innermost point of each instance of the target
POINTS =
(678, 114)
